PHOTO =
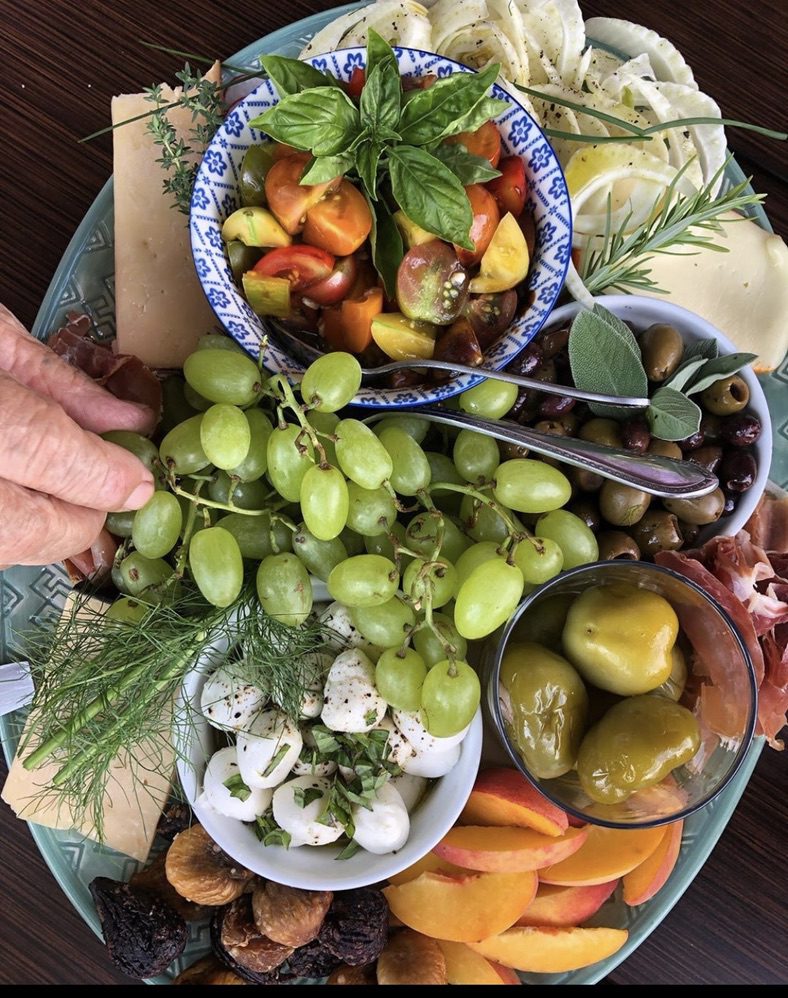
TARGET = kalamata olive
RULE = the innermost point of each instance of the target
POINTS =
(622, 505)
(692, 442)
(405, 379)
(528, 361)
(551, 426)
(459, 344)
(705, 509)
(601, 431)
(569, 421)
(552, 406)
(712, 428)
(586, 480)
(737, 471)
(588, 511)
(726, 397)
(490, 315)
(730, 504)
(554, 341)
(689, 531)
(635, 436)
(657, 530)
(615, 545)
(707, 457)
(662, 348)
(742, 430)
(525, 407)
(665, 448)
(545, 371)
(432, 284)
(510, 451)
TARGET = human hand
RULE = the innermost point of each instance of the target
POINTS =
(58, 479)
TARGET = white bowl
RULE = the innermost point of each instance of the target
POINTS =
(642, 312)
(312, 868)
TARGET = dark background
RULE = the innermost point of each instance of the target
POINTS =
(62, 61)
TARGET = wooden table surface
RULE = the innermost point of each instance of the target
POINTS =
(63, 60)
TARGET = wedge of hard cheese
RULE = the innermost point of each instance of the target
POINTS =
(160, 308)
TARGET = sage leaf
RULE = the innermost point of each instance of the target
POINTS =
(323, 120)
(604, 359)
(321, 169)
(381, 99)
(291, 76)
(685, 373)
(618, 325)
(672, 416)
(434, 113)
(707, 349)
(367, 159)
(719, 368)
(387, 248)
(430, 194)
(466, 167)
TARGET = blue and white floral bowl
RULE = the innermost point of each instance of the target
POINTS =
(216, 196)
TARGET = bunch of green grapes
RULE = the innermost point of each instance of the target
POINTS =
(427, 548)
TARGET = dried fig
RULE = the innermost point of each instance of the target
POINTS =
(154, 879)
(288, 915)
(239, 943)
(143, 934)
(312, 960)
(202, 872)
(353, 975)
(208, 970)
(176, 817)
(411, 958)
(356, 926)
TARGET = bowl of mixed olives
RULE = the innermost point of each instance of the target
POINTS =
(623, 692)
(733, 441)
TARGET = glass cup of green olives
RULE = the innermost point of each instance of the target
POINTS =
(623, 692)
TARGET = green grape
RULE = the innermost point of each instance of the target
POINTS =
(361, 455)
(482, 523)
(412, 425)
(490, 398)
(476, 555)
(258, 536)
(531, 486)
(331, 382)
(450, 697)
(212, 341)
(476, 456)
(364, 580)
(243, 495)
(442, 469)
(371, 511)
(120, 524)
(324, 501)
(539, 559)
(174, 407)
(429, 646)
(422, 534)
(487, 598)
(216, 565)
(399, 677)
(571, 534)
(181, 450)
(441, 580)
(225, 435)
(284, 589)
(195, 400)
(136, 444)
(157, 525)
(354, 543)
(136, 573)
(326, 424)
(319, 556)
(255, 464)
(287, 465)
(411, 470)
(381, 544)
(223, 376)
(126, 610)
(385, 626)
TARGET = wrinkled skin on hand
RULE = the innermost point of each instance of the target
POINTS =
(58, 478)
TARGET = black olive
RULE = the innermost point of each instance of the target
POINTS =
(552, 406)
(554, 341)
(737, 471)
(692, 442)
(741, 430)
(707, 457)
(635, 436)
(615, 545)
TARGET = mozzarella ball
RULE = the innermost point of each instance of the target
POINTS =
(351, 701)
(385, 825)
(399, 747)
(228, 703)
(301, 822)
(422, 741)
(336, 617)
(269, 749)
(312, 673)
(410, 788)
(432, 764)
(221, 768)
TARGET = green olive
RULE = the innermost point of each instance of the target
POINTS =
(725, 397)
(657, 530)
(544, 622)
(615, 545)
(585, 480)
(673, 687)
(635, 745)
(665, 448)
(662, 348)
(622, 505)
(545, 705)
(706, 509)
(602, 431)
(552, 427)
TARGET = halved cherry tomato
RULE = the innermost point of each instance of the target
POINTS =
(489, 315)
(288, 199)
(340, 222)
(432, 284)
(282, 150)
(484, 142)
(485, 222)
(511, 188)
(337, 285)
(301, 265)
(349, 325)
(355, 84)
(528, 225)
(418, 82)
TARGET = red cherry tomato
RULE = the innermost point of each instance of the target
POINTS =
(340, 222)
(337, 285)
(485, 222)
(301, 265)
(511, 188)
(355, 84)
(484, 142)
(288, 199)
(432, 284)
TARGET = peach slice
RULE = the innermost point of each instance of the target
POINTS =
(429, 863)
(645, 880)
(498, 850)
(465, 908)
(566, 906)
(606, 854)
(549, 950)
(504, 797)
(465, 966)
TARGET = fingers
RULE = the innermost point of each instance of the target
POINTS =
(32, 363)
(41, 448)
(37, 529)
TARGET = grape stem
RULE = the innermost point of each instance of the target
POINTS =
(468, 490)
(299, 411)
(213, 504)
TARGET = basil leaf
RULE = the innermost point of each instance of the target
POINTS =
(380, 53)
(604, 359)
(235, 784)
(323, 120)
(719, 368)
(367, 159)
(672, 416)
(434, 113)
(291, 76)
(350, 850)
(387, 248)
(487, 108)
(321, 169)
(466, 167)
(380, 100)
(430, 194)
(684, 374)
(304, 796)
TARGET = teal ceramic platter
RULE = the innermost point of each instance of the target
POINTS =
(85, 278)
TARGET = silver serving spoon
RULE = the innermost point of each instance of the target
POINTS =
(659, 476)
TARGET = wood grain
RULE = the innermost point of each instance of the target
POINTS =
(63, 60)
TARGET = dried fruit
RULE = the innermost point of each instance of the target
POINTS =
(176, 817)
(208, 970)
(143, 934)
(411, 958)
(239, 943)
(202, 872)
(154, 879)
(288, 915)
(312, 960)
(356, 926)
(353, 975)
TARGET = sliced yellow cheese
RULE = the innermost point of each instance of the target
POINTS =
(160, 308)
